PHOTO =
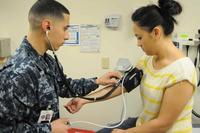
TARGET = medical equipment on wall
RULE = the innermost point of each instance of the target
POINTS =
(197, 65)
(197, 58)
(183, 41)
(112, 21)
(5, 49)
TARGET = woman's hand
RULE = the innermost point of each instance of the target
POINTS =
(75, 105)
(119, 131)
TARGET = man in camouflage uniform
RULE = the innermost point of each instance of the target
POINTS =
(31, 80)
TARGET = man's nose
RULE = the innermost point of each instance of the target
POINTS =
(66, 37)
(139, 44)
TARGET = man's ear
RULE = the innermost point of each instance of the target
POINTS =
(46, 24)
(156, 32)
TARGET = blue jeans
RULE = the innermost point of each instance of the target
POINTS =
(128, 123)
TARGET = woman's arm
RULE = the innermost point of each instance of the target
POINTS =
(75, 104)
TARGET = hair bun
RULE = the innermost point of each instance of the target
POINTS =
(170, 6)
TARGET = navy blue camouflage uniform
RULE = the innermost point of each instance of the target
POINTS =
(30, 83)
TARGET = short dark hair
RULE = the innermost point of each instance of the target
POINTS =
(45, 8)
(151, 16)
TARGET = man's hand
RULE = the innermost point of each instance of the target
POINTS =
(108, 78)
(60, 126)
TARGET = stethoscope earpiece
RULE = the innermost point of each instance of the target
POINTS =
(47, 32)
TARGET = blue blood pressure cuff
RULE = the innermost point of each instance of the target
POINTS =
(132, 79)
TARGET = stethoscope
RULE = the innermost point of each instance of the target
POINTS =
(63, 76)
(66, 83)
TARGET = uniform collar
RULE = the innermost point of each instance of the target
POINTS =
(27, 45)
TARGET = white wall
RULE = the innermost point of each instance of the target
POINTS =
(114, 44)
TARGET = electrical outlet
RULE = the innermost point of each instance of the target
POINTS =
(105, 62)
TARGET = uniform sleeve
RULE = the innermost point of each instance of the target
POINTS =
(16, 107)
(77, 87)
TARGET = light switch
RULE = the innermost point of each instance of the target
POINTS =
(105, 62)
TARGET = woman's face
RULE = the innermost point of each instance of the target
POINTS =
(144, 39)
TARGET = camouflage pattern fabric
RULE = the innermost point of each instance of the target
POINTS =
(30, 83)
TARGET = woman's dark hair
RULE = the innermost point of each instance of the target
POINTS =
(151, 16)
(46, 8)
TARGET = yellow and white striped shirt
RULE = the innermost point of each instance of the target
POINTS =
(153, 85)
